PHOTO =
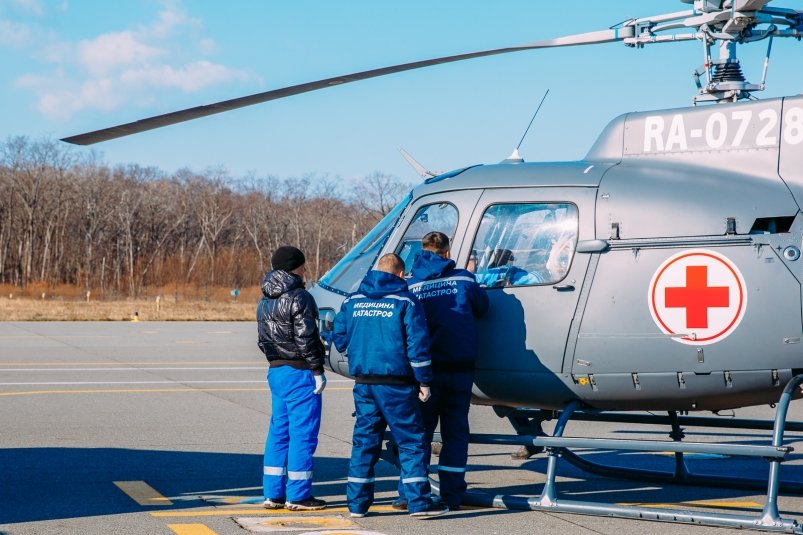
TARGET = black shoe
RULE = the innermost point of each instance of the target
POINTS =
(399, 504)
(434, 509)
(310, 504)
(274, 503)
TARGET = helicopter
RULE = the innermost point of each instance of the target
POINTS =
(661, 272)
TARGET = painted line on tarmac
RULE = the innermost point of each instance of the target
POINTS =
(149, 391)
(51, 336)
(256, 511)
(132, 369)
(142, 493)
(191, 529)
(119, 362)
(173, 382)
(132, 391)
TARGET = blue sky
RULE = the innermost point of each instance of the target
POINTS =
(70, 66)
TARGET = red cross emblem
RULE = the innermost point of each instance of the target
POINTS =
(698, 296)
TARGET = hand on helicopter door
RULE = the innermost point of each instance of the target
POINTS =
(424, 393)
(320, 384)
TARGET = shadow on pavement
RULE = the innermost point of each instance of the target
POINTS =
(59, 483)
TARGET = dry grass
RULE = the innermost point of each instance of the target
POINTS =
(27, 308)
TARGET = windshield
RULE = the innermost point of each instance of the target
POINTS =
(346, 275)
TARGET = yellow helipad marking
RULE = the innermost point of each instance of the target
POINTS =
(142, 493)
(700, 503)
(191, 529)
(266, 512)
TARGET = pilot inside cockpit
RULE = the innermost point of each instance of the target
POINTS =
(524, 244)
(501, 271)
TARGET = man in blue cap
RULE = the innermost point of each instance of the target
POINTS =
(452, 299)
(382, 326)
(287, 323)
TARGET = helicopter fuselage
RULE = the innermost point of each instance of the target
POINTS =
(661, 272)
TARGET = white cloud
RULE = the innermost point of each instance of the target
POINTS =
(111, 50)
(59, 98)
(173, 16)
(14, 34)
(189, 78)
(123, 68)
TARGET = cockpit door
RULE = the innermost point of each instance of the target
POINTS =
(523, 242)
(448, 212)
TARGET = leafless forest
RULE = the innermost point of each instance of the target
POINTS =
(119, 232)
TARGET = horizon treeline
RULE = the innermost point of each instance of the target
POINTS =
(67, 219)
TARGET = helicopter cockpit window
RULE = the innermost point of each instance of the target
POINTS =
(524, 244)
(346, 275)
(441, 217)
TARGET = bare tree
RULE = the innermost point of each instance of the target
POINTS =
(378, 193)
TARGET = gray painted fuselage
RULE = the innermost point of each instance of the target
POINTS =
(714, 179)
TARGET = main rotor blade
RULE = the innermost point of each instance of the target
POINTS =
(158, 121)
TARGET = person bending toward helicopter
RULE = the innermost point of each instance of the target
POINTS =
(452, 300)
(287, 323)
(383, 330)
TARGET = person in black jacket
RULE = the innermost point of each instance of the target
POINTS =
(287, 322)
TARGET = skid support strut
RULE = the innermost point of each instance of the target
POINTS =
(558, 446)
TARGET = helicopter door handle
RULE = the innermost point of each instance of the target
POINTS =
(564, 288)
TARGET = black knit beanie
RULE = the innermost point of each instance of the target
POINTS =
(287, 258)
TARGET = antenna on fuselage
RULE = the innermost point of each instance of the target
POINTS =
(515, 156)
(422, 171)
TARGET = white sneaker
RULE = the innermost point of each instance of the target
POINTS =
(277, 503)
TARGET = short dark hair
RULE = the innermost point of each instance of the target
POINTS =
(390, 263)
(435, 241)
(500, 257)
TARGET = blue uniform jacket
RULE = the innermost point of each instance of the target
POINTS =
(382, 325)
(452, 299)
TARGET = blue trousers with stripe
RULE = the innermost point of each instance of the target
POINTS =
(377, 407)
(450, 401)
(293, 436)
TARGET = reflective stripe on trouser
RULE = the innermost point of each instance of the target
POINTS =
(394, 406)
(450, 401)
(293, 435)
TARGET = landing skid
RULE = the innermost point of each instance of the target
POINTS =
(527, 422)
(557, 446)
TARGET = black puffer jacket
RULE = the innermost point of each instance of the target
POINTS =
(287, 320)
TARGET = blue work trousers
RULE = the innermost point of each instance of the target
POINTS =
(378, 407)
(293, 436)
(450, 401)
